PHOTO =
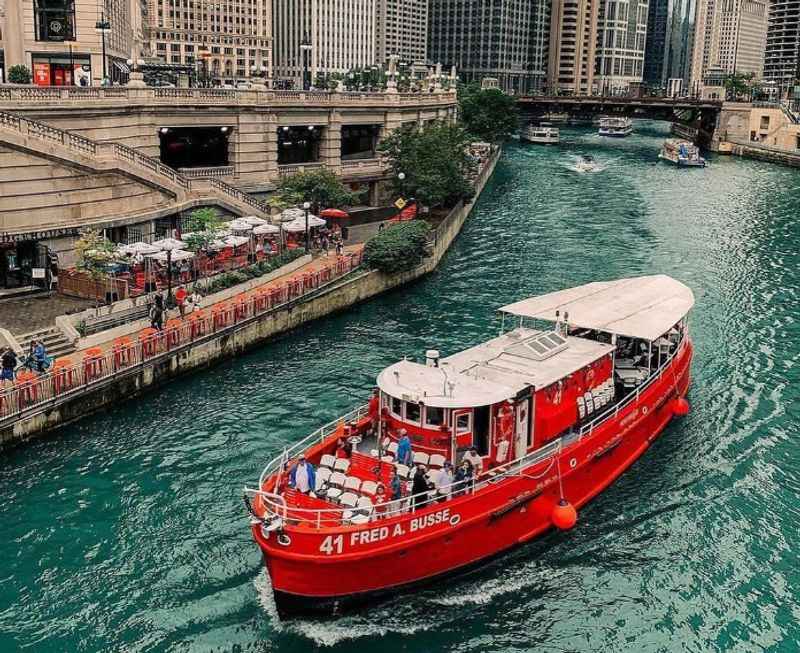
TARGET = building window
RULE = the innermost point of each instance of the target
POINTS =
(54, 20)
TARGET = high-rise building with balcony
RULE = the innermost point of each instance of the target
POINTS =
(322, 37)
(621, 35)
(782, 57)
(573, 44)
(225, 40)
(401, 30)
(502, 39)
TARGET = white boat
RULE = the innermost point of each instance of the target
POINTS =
(617, 127)
(587, 164)
(681, 153)
(541, 133)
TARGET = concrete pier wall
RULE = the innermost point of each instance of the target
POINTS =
(350, 290)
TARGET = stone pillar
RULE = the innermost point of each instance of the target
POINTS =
(13, 34)
(331, 146)
(271, 147)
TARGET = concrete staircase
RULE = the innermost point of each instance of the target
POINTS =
(31, 135)
(53, 339)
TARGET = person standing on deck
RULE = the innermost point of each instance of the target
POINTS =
(419, 488)
(475, 460)
(396, 485)
(404, 453)
(444, 481)
(302, 477)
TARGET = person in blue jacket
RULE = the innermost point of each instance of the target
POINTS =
(40, 357)
(404, 453)
(302, 477)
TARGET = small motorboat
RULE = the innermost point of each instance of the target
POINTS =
(587, 163)
(681, 153)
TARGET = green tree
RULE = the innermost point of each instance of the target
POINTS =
(19, 74)
(401, 246)
(202, 227)
(434, 160)
(94, 252)
(321, 187)
(739, 85)
(487, 114)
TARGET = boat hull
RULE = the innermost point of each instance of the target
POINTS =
(616, 134)
(540, 140)
(329, 571)
(681, 163)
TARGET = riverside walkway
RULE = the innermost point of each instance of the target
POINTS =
(91, 366)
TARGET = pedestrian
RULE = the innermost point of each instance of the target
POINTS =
(444, 481)
(40, 357)
(396, 485)
(324, 243)
(419, 488)
(180, 300)
(381, 227)
(9, 362)
(194, 300)
(339, 247)
(157, 313)
(404, 453)
(302, 477)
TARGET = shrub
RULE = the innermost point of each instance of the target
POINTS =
(19, 75)
(399, 247)
(266, 266)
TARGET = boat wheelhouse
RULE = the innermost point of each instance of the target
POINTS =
(550, 411)
(681, 153)
(615, 127)
(543, 133)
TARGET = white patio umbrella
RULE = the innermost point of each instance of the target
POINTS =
(253, 220)
(175, 255)
(240, 225)
(287, 215)
(236, 241)
(264, 229)
(138, 248)
(169, 243)
(299, 224)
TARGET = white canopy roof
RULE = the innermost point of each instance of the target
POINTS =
(299, 224)
(638, 307)
(176, 255)
(253, 220)
(169, 243)
(138, 248)
(488, 373)
(235, 241)
(287, 215)
(240, 225)
(263, 229)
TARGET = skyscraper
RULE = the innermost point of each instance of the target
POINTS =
(331, 36)
(503, 39)
(783, 43)
(402, 30)
(621, 35)
(573, 42)
(670, 40)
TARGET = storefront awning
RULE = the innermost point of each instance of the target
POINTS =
(122, 67)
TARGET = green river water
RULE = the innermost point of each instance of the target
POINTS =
(126, 531)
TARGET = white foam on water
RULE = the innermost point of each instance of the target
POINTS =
(575, 164)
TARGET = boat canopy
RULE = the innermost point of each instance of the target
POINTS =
(493, 371)
(637, 307)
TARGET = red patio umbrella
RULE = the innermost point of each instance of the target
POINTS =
(334, 213)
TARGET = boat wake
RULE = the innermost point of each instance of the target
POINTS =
(577, 163)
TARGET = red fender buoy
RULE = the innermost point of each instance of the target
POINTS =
(564, 515)
(680, 407)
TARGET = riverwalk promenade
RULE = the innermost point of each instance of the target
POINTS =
(97, 376)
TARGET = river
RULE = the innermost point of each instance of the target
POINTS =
(126, 531)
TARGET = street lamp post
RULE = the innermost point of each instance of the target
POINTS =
(306, 207)
(102, 26)
(305, 48)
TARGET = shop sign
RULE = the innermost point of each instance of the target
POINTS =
(41, 74)
(38, 235)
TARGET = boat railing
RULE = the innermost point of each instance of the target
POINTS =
(586, 429)
(318, 436)
(275, 505)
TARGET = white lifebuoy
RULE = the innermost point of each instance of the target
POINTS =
(573, 462)
(284, 539)
(455, 520)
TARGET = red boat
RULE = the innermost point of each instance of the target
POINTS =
(550, 412)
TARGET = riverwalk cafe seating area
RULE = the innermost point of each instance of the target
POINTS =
(86, 368)
(140, 268)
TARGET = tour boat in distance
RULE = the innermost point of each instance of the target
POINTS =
(551, 411)
(682, 153)
(617, 127)
(543, 133)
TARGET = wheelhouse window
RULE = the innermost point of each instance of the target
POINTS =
(434, 416)
(464, 423)
(413, 412)
(397, 407)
